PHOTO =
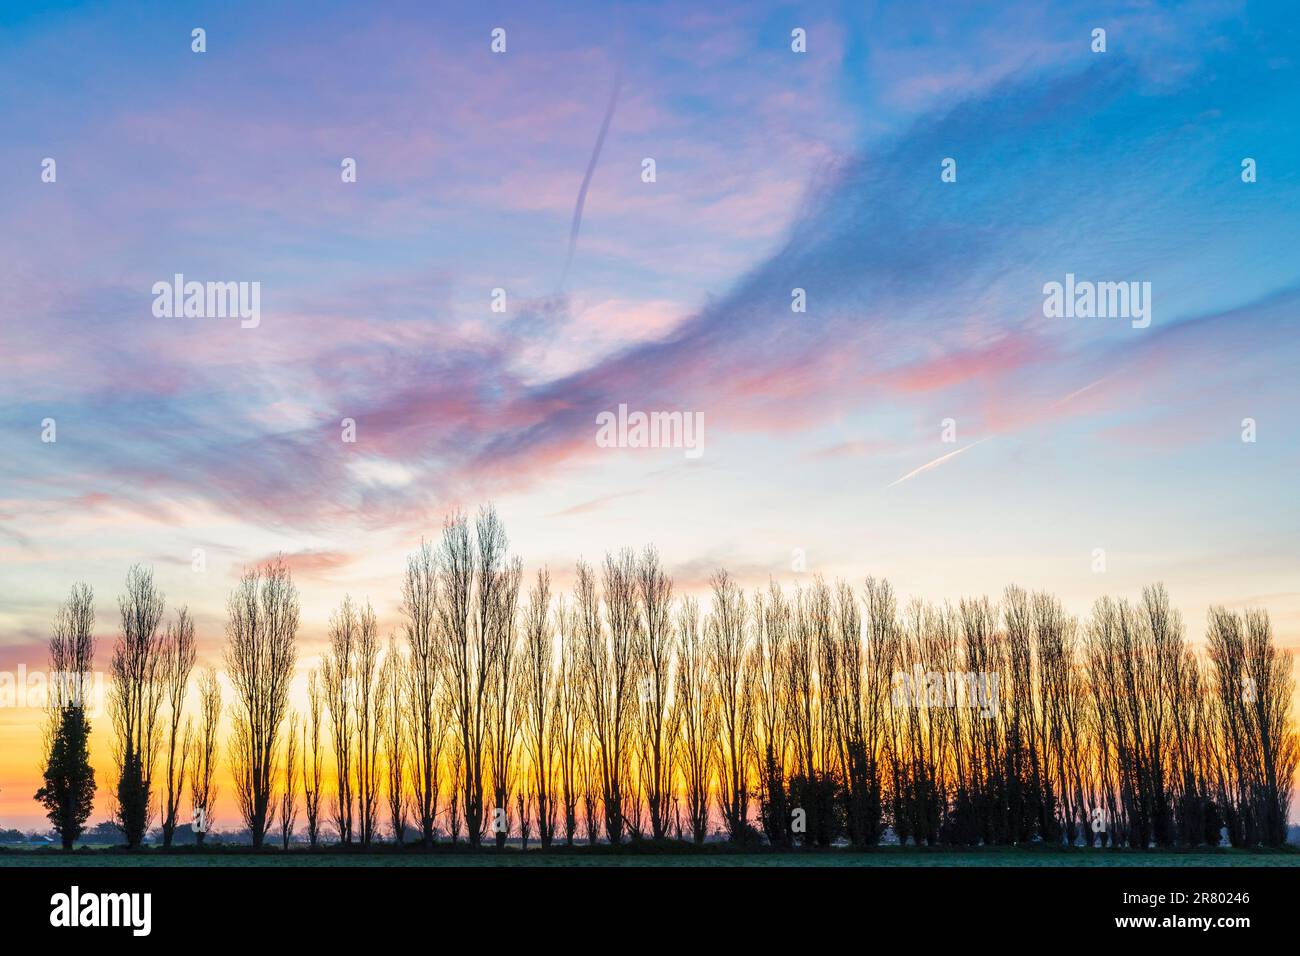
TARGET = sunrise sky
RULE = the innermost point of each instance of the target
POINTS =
(775, 170)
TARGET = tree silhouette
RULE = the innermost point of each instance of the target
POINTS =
(69, 790)
(819, 713)
(261, 632)
(177, 654)
(69, 781)
(203, 768)
(137, 693)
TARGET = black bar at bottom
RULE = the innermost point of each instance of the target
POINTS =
(231, 904)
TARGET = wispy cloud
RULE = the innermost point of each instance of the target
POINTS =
(593, 504)
(923, 296)
(931, 465)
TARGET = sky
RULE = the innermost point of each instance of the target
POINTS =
(823, 440)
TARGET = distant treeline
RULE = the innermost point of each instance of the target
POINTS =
(624, 712)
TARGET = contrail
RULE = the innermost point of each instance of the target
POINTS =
(586, 179)
(1079, 391)
(953, 454)
(935, 464)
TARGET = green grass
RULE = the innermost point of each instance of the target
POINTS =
(712, 856)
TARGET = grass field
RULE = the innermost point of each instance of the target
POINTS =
(604, 857)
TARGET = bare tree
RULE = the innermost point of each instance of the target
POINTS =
(868, 667)
(1254, 686)
(312, 770)
(134, 700)
(503, 702)
(289, 797)
(467, 654)
(395, 736)
(424, 665)
(539, 697)
(261, 650)
(72, 649)
(801, 690)
(917, 738)
(731, 666)
(350, 674)
(69, 782)
(339, 680)
(697, 711)
(203, 768)
(177, 661)
(608, 658)
(569, 722)
(1277, 749)
(366, 710)
(1059, 734)
(654, 663)
(772, 635)
(1134, 655)
(472, 614)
